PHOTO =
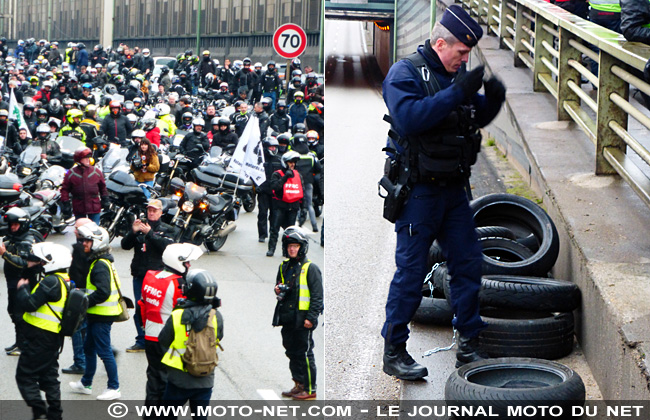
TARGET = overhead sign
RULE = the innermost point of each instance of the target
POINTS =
(289, 41)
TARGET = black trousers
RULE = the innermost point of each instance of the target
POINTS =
(156, 373)
(15, 314)
(38, 370)
(264, 214)
(299, 348)
(282, 218)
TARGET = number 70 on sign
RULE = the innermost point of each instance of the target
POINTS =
(289, 41)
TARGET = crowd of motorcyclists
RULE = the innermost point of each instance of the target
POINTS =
(103, 135)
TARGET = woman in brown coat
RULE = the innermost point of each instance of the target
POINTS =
(145, 164)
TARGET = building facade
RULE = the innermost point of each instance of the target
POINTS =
(228, 28)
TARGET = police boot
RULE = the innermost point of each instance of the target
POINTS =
(468, 351)
(398, 363)
(295, 390)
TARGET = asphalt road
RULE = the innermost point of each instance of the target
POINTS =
(252, 366)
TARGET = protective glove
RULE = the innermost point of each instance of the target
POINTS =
(66, 209)
(495, 89)
(105, 201)
(471, 81)
(288, 174)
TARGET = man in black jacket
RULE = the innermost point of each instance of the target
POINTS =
(196, 143)
(116, 127)
(271, 85)
(299, 290)
(42, 299)
(635, 17)
(280, 120)
(272, 163)
(14, 251)
(149, 240)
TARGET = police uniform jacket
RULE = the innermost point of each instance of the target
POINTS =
(413, 112)
(287, 312)
(148, 248)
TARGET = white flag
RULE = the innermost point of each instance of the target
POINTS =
(16, 113)
(249, 154)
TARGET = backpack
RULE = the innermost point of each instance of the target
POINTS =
(74, 311)
(200, 357)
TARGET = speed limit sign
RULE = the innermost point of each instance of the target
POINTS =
(289, 41)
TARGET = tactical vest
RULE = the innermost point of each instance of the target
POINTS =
(304, 296)
(173, 355)
(110, 307)
(447, 151)
(48, 316)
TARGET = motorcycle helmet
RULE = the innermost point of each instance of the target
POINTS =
(55, 257)
(270, 65)
(81, 104)
(223, 121)
(209, 78)
(110, 90)
(206, 53)
(67, 103)
(137, 102)
(296, 73)
(29, 106)
(198, 122)
(312, 137)
(42, 115)
(139, 134)
(177, 257)
(87, 86)
(299, 139)
(115, 107)
(271, 142)
(293, 235)
(134, 84)
(223, 86)
(133, 119)
(298, 97)
(296, 62)
(148, 123)
(98, 235)
(200, 286)
(290, 156)
(163, 109)
(188, 53)
(74, 113)
(186, 118)
(146, 52)
(42, 131)
(55, 106)
(284, 140)
(81, 153)
(296, 82)
(182, 74)
(129, 107)
(246, 61)
(299, 128)
(20, 216)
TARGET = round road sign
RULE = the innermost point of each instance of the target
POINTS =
(289, 41)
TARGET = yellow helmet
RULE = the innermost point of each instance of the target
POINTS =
(75, 113)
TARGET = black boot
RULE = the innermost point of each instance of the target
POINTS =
(468, 351)
(398, 363)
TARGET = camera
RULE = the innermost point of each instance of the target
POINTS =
(284, 288)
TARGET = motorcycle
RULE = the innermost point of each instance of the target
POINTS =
(202, 218)
(127, 202)
(68, 146)
(114, 160)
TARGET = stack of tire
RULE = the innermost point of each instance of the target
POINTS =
(528, 314)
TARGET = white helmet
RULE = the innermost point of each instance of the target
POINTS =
(134, 84)
(146, 52)
(176, 255)
(55, 256)
(163, 109)
(99, 236)
(138, 133)
(198, 121)
(258, 64)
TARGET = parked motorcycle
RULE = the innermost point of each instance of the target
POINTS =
(126, 203)
(202, 218)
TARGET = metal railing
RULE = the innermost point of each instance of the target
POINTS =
(552, 42)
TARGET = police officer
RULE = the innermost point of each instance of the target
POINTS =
(161, 291)
(43, 302)
(431, 103)
(14, 251)
(193, 313)
(299, 290)
(148, 239)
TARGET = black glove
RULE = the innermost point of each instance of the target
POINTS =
(288, 174)
(105, 202)
(471, 81)
(66, 209)
(495, 89)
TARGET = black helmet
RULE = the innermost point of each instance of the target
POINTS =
(224, 121)
(188, 53)
(200, 286)
(299, 139)
(18, 215)
(42, 112)
(164, 70)
(187, 118)
(270, 63)
(293, 235)
(300, 128)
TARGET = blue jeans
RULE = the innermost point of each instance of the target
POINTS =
(78, 345)
(147, 193)
(273, 96)
(308, 207)
(94, 217)
(98, 343)
(442, 213)
(198, 397)
(137, 319)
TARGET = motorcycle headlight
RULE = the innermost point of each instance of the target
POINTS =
(187, 207)
(26, 171)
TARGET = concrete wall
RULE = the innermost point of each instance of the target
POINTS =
(383, 48)
(412, 23)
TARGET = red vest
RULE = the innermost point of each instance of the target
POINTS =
(292, 189)
(159, 295)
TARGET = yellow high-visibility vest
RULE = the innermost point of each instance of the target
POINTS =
(111, 306)
(304, 297)
(48, 317)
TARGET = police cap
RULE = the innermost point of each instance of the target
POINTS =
(461, 25)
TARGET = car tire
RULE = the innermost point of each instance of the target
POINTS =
(436, 254)
(532, 293)
(518, 333)
(434, 311)
(524, 218)
(498, 385)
